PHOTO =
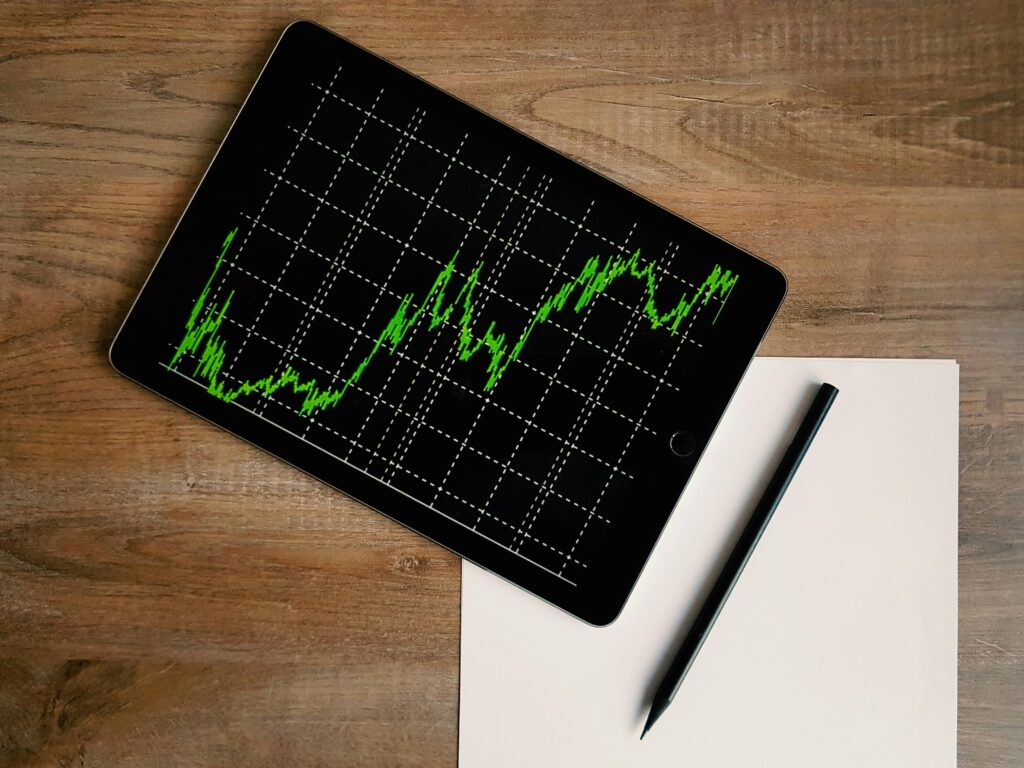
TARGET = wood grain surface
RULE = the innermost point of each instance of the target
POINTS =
(170, 596)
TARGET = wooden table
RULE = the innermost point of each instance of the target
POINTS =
(170, 596)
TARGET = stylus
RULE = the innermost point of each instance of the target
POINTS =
(741, 553)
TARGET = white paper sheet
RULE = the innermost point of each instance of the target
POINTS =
(838, 645)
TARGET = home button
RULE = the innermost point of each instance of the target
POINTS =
(683, 444)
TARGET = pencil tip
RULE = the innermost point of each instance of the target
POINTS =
(656, 710)
(647, 726)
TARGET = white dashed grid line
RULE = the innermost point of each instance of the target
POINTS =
(625, 449)
(270, 193)
(490, 288)
(416, 415)
(328, 282)
(529, 366)
(581, 420)
(381, 480)
(577, 226)
(443, 374)
(421, 364)
(387, 280)
(547, 387)
(328, 92)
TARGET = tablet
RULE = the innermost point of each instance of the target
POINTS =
(449, 321)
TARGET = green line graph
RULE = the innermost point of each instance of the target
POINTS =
(202, 329)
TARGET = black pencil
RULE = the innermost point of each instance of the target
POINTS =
(741, 553)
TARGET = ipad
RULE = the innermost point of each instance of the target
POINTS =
(449, 321)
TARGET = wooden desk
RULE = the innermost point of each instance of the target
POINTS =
(172, 597)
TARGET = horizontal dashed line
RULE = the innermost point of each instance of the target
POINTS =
(472, 225)
(463, 387)
(419, 477)
(519, 361)
(399, 490)
(477, 171)
(420, 419)
(541, 486)
(660, 379)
